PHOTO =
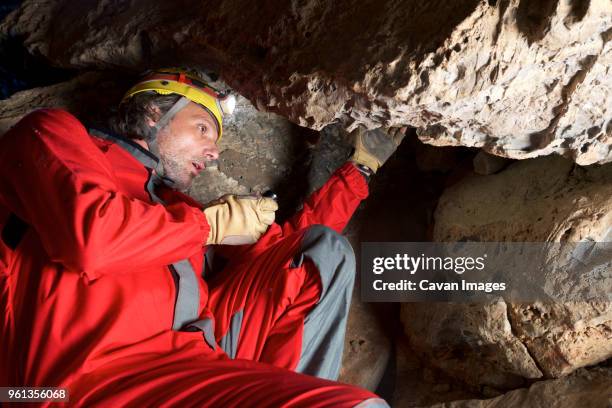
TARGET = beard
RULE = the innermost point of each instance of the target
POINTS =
(179, 171)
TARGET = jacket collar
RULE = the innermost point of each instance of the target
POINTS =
(148, 159)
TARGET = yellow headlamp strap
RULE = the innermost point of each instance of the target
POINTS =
(188, 87)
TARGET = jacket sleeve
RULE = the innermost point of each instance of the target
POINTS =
(56, 179)
(333, 204)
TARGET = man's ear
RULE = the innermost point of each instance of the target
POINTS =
(153, 114)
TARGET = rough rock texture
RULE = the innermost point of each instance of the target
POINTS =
(585, 389)
(499, 344)
(472, 343)
(544, 200)
(417, 384)
(367, 348)
(259, 151)
(518, 78)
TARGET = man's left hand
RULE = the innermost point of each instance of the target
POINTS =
(374, 147)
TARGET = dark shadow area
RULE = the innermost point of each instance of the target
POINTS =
(533, 18)
(386, 387)
(403, 197)
(293, 189)
(7, 6)
(503, 6)
(405, 192)
(578, 11)
(19, 70)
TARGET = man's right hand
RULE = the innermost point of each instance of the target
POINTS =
(238, 220)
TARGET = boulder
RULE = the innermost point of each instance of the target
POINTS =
(367, 347)
(516, 78)
(472, 343)
(545, 200)
(418, 385)
(501, 344)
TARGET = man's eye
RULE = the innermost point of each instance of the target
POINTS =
(202, 128)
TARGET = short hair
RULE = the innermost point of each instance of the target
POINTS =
(132, 114)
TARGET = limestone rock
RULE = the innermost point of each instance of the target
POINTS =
(547, 199)
(367, 348)
(473, 343)
(563, 337)
(418, 385)
(257, 153)
(586, 388)
(517, 78)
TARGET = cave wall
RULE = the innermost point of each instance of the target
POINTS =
(517, 78)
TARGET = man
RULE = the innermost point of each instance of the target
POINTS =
(101, 263)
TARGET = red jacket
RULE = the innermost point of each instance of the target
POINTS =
(88, 283)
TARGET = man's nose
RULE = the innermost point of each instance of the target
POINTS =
(211, 152)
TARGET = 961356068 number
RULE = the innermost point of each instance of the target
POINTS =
(33, 394)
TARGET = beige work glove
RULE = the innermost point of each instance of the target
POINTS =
(374, 147)
(238, 220)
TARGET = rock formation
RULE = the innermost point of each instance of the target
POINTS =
(503, 344)
(516, 77)
(584, 389)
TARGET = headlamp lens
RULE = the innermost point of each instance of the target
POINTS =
(227, 104)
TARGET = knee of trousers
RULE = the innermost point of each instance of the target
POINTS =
(332, 255)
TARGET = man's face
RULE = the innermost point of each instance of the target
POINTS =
(187, 143)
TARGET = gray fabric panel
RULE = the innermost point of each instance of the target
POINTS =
(188, 299)
(373, 403)
(297, 260)
(207, 327)
(229, 342)
(325, 325)
(153, 181)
